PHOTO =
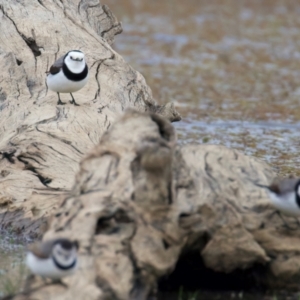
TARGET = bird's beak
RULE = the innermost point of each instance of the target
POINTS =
(79, 59)
(260, 185)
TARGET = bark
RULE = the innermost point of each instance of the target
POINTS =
(41, 144)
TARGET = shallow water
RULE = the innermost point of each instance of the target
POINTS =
(233, 70)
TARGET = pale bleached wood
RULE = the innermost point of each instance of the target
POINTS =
(138, 201)
(41, 144)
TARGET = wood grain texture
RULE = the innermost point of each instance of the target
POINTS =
(41, 144)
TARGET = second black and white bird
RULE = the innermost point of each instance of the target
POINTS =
(54, 259)
(68, 74)
(285, 195)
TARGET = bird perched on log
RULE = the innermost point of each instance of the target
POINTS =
(68, 74)
(285, 196)
(53, 259)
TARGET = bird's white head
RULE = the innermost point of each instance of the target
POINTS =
(75, 61)
(65, 252)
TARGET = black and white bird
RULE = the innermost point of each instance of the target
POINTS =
(285, 195)
(68, 74)
(53, 259)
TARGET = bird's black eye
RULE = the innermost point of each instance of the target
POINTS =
(71, 57)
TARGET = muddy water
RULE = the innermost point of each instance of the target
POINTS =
(231, 67)
(233, 70)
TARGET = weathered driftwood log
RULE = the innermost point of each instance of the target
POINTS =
(41, 144)
(138, 202)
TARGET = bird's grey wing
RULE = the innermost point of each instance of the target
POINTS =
(41, 249)
(56, 67)
(286, 185)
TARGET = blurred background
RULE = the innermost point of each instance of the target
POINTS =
(231, 67)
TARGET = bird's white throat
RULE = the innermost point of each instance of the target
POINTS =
(63, 257)
(75, 66)
(286, 203)
(46, 267)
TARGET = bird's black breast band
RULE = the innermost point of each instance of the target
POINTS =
(75, 76)
(61, 267)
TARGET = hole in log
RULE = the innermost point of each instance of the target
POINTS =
(106, 225)
(19, 62)
(166, 244)
(33, 46)
(102, 225)
(191, 274)
(184, 215)
(9, 156)
(112, 224)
